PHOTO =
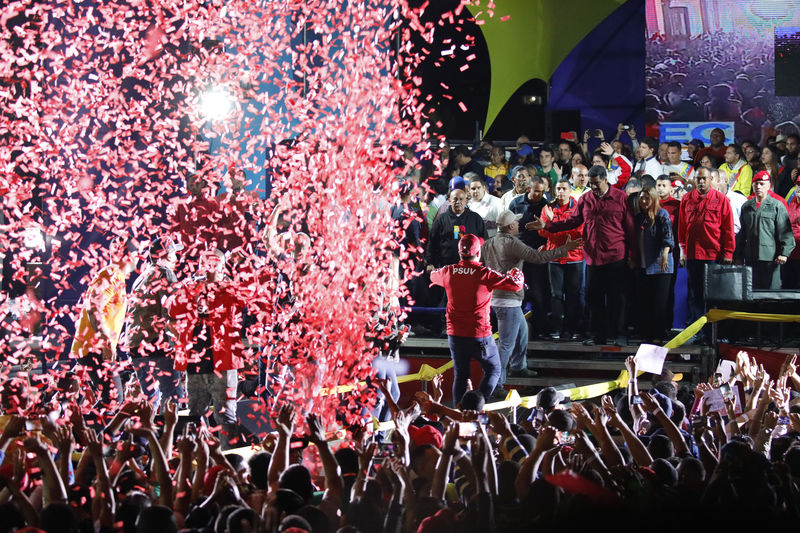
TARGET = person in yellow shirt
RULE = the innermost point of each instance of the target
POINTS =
(100, 322)
(498, 170)
(740, 174)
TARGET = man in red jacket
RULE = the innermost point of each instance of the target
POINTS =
(566, 273)
(469, 287)
(210, 349)
(705, 235)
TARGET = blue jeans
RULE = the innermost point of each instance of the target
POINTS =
(463, 349)
(512, 329)
(158, 378)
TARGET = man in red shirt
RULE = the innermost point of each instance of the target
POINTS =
(469, 287)
(210, 349)
(705, 234)
(607, 230)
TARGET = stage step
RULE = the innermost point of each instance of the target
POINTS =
(554, 346)
(598, 364)
(559, 363)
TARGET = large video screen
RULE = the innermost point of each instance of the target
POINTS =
(715, 61)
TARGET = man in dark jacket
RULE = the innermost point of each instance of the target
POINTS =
(448, 228)
(537, 282)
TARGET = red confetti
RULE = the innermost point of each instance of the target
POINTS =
(110, 109)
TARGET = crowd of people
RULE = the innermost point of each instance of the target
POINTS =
(642, 210)
(722, 453)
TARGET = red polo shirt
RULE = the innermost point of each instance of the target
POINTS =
(469, 287)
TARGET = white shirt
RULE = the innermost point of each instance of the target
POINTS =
(649, 166)
(685, 170)
(737, 201)
(506, 199)
(488, 208)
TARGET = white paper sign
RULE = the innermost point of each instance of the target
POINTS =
(650, 358)
(726, 368)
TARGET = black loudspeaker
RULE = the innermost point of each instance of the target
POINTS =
(728, 283)
(561, 121)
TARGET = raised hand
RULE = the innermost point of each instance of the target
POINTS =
(606, 149)
(366, 456)
(701, 389)
(794, 422)
(94, 443)
(599, 415)
(170, 412)
(146, 414)
(630, 366)
(424, 400)
(649, 403)
(499, 424)
(789, 366)
(436, 385)
(609, 408)
(185, 444)
(285, 421)
(576, 463)
(63, 440)
(316, 432)
(450, 442)
(546, 439)
(582, 418)
(127, 450)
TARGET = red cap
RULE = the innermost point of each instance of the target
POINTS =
(761, 175)
(425, 435)
(470, 245)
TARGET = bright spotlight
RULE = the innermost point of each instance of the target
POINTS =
(216, 104)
